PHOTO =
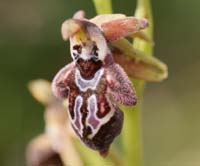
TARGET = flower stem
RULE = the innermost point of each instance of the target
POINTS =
(143, 10)
(103, 6)
(131, 131)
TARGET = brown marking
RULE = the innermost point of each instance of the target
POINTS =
(105, 136)
(88, 68)
(95, 50)
(78, 48)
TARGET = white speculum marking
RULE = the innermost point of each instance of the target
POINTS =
(77, 115)
(84, 84)
(92, 120)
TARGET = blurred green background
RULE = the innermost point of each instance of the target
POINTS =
(31, 47)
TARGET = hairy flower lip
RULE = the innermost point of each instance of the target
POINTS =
(71, 26)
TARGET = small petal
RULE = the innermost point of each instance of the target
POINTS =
(79, 15)
(103, 18)
(69, 28)
(116, 29)
(143, 36)
(137, 64)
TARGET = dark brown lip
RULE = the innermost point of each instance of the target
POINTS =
(88, 67)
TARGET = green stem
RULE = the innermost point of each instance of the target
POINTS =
(103, 6)
(131, 131)
(143, 10)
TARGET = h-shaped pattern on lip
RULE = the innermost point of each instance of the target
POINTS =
(84, 84)
(92, 120)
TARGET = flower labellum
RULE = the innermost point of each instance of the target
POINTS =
(93, 83)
